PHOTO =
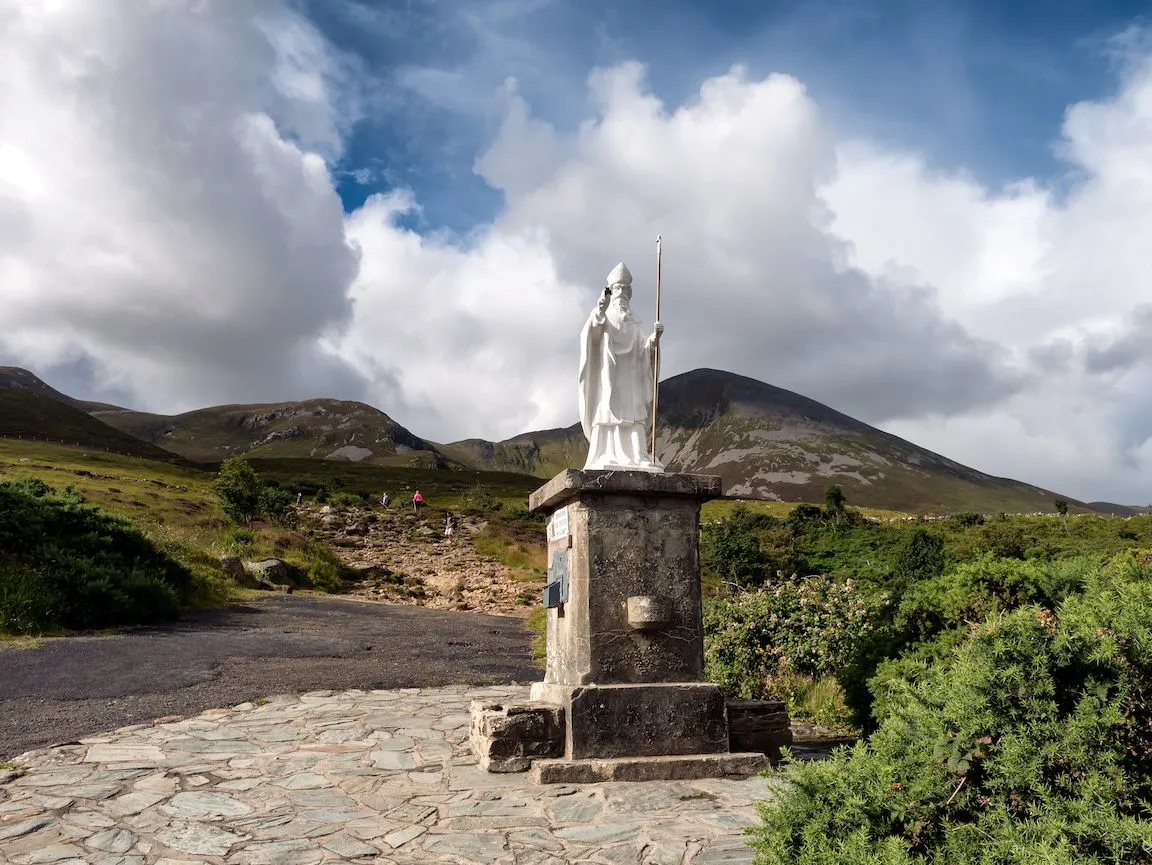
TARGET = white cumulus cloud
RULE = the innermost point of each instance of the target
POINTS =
(169, 232)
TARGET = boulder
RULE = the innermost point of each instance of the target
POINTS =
(270, 574)
(234, 568)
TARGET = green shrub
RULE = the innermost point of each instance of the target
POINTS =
(730, 549)
(67, 564)
(811, 626)
(346, 500)
(239, 488)
(1030, 742)
(479, 500)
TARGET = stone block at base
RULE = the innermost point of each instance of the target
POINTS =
(507, 738)
(678, 768)
(758, 725)
(641, 720)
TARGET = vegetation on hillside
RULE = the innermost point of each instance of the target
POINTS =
(67, 564)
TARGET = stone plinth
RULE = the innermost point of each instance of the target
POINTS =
(632, 614)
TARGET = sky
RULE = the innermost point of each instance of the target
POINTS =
(929, 214)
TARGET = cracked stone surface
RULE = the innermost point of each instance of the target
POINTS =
(382, 777)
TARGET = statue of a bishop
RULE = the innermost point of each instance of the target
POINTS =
(616, 369)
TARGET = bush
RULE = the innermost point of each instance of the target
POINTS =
(1030, 743)
(730, 550)
(756, 643)
(67, 564)
(479, 500)
(346, 500)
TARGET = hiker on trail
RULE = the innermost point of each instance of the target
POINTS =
(417, 501)
(449, 526)
(384, 500)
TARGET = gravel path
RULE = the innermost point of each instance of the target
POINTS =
(79, 686)
(383, 777)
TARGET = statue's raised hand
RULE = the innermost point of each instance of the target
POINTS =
(657, 329)
(602, 304)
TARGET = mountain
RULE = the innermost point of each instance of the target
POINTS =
(323, 428)
(15, 378)
(767, 442)
(29, 413)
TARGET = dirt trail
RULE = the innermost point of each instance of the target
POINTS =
(404, 559)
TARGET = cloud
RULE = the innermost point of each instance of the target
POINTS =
(169, 231)
(1055, 274)
(754, 281)
(167, 213)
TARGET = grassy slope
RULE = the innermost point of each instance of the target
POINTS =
(310, 428)
(26, 413)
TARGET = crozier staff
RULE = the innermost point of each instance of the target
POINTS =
(617, 371)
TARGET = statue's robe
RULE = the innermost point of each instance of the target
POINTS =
(616, 367)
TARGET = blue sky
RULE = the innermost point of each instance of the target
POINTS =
(980, 85)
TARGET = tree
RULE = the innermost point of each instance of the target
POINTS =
(834, 500)
(239, 489)
(1062, 507)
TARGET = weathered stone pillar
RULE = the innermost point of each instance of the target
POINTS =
(625, 633)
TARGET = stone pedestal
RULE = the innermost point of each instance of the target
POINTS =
(625, 635)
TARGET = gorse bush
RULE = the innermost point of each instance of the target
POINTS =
(1029, 742)
(67, 564)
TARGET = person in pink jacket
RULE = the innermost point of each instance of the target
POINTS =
(417, 501)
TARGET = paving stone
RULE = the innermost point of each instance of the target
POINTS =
(132, 803)
(349, 847)
(474, 847)
(395, 761)
(294, 852)
(402, 836)
(580, 808)
(604, 833)
(205, 805)
(201, 839)
(304, 781)
(111, 841)
(264, 786)
(53, 853)
(149, 755)
(24, 827)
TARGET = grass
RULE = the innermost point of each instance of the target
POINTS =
(721, 508)
(537, 623)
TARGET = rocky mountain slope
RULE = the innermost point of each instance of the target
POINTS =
(318, 428)
(767, 442)
(403, 558)
(764, 441)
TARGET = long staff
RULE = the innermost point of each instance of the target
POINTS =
(656, 358)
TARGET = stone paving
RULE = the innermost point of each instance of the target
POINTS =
(354, 776)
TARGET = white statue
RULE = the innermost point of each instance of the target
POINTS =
(616, 369)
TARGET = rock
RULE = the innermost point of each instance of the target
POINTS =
(272, 569)
(234, 568)
(270, 574)
(506, 738)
